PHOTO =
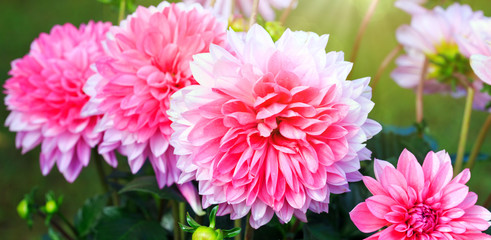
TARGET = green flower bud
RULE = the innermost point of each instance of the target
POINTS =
(23, 209)
(207, 233)
(51, 207)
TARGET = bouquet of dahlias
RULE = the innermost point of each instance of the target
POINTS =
(235, 124)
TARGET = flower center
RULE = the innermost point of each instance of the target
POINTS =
(449, 66)
(422, 219)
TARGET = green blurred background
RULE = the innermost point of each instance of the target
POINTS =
(21, 21)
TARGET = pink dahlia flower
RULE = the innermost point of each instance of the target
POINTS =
(45, 97)
(266, 7)
(433, 35)
(147, 60)
(272, 127)
(414, 202)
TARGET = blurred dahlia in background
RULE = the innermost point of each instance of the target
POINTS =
(432, 50)
(45, 97)
(266, 8)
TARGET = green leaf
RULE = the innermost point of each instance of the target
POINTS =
(148, 184)
(116, 224)
(392, 140)
(191, 221)
(89, 214)
(187, 228)
(53, 235)
(231, 232)
(213, 215)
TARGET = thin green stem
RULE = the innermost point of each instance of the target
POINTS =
(464, 130)
(182, 217)
(479, 141)
(487, 203)
(249, 231)
(122, 10)
(57, 227)
(100, 171)
(255, 6)
(175, 215)
(68, 223)
(385, 63)
(238, 223)
(363, 27)
(419, 93)
(287, 11)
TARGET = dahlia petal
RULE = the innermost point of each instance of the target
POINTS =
(191, 195)
(379, 167)
(364, 220)
(411, 169)
(379, 205)
(480, 64)
(373, 186)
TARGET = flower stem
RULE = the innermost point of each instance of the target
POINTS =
(464, 130)
(479, 141)
(100, 171)
(255, 6)
(175, 215)
(57, 227)
(249, 231)
(238, 223)
(419, 93)
(287, 11)
(385, 63)
(182, 217)
(72, 228)
(363, 27)
(122, 10)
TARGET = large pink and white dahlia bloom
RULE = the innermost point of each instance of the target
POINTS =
(224, 7)
(433, 35)
(413, 202)
(147, 60)
(45, 97)
(272, 127)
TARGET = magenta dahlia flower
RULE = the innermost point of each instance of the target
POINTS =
(266, 7)
(45, 97)
(147, 60)
(414, 202)
(272, 127)
(433, 35)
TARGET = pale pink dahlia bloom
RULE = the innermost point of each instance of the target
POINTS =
(411, 6)
(420, 202)
(266, 8)
(45, 97)
(477, 46)
(147, 60)
(272, 127)
(433, 35)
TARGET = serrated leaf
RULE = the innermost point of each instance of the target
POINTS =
(191, 221)
(89, 214)
(231, 232)
(148, 184)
